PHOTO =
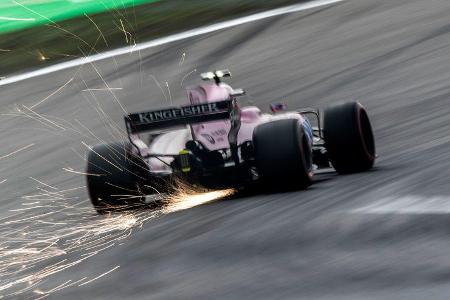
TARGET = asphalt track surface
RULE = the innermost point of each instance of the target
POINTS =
(383, 234)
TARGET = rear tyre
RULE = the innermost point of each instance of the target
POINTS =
(115, 176)
(283, 154)
(349, 138)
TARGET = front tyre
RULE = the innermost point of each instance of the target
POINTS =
(349, 138)
(283, 154)
(114, 177)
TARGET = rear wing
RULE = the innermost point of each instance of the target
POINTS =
(178, 116)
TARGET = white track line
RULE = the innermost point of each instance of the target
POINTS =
(168, 39)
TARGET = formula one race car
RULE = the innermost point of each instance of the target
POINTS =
(215, 143)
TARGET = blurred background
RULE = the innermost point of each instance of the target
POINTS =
(38, 33)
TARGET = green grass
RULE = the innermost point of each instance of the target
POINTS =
(55, 42)
(20, 14)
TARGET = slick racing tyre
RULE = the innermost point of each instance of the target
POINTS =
(283, 154)
(349, 138)
(114, 174)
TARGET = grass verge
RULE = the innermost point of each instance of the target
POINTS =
(56, 42)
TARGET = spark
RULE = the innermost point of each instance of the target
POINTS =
(89, 131)
(43, 118)
(21, 251)
(2, 181)
(122, 188)
(98, 250)
(42, 57)
(73, 189)
(153, 188)
(38, 197)
(32, 117)
(70, 170)
(52, 94)
(18, 19)
(97, 233)
(159, 85)
(59, 287)
(49, 192)
(185, 76)
(78, 281)
(15, 152)
(101, 33)
(187, 199)
(5, 50)
(91, 149)
(31, 203)
(28, 219)
(75, 237)
(65, 54)
(183, 57)
(168, 89)
(108, 89)
(51, 223)
(133, 47)
(40, 182)
(141, 73)
(100, 276)
(126, 33)
(55, 25)
(28, 208)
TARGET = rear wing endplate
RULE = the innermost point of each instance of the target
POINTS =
(178, 116)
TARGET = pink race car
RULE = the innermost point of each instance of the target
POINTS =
(215, 143)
